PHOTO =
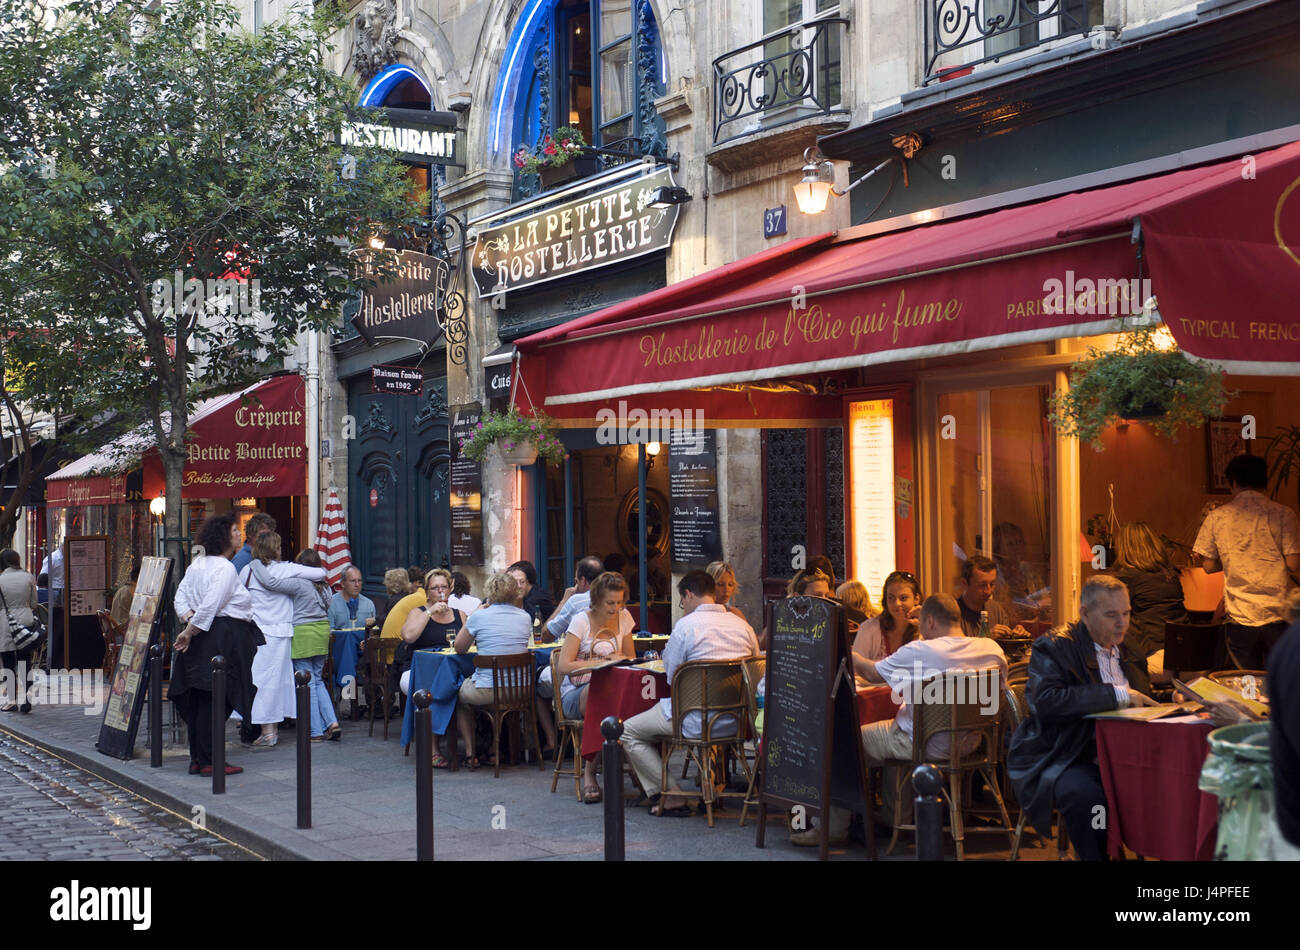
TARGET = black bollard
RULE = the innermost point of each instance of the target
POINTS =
(423, 775)
(612, 730)
(303, 679)
(155, 706)
(218, 725)
(928, 783)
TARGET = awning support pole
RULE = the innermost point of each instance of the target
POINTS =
(641, 538)
(568, 510)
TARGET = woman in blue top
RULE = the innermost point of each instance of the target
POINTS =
(500, 627)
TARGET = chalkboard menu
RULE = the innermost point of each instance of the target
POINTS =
(696, 529)
(129, 686)
(466, 490)
(812, 752)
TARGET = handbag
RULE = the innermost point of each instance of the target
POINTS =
(24, 637)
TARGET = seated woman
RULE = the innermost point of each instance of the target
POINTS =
(724, 576)
(1155, 592)
(428, 627)
(500, 628)
(880, 636)
(854, 594)
(596, 635)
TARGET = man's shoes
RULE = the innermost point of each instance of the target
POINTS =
(230, 770)
(195, 768)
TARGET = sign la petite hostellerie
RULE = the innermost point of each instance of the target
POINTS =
(405, 306)
(606, 227)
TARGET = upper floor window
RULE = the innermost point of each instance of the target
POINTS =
(593, 65)
(961, 34)
(791, 72)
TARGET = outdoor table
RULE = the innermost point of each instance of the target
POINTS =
(876, 704)
(441, 672)
(1150, 771)
(619, 691)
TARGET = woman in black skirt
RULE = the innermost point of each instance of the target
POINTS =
(219, 614)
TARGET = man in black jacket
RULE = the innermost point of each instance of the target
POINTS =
(1079, 669)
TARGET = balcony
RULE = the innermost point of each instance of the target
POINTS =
(962, 34)
(781, 79)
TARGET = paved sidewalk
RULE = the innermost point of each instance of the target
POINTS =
(363, 805)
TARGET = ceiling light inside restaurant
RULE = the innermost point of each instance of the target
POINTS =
(1163, 338)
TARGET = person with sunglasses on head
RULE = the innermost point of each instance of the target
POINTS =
(896, 624)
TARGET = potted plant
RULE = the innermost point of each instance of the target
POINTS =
(557, 158)
(1142, 378)
(519, 438)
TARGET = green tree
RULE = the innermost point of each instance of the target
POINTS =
(141, 146)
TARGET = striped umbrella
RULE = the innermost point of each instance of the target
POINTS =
(332, 539)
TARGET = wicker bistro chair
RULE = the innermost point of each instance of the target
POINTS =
(570, 732)
(513, 691)
(378, 656)
(715, 690)
(1015, 710)
(959, 719)
(114, 637)
(753, 669)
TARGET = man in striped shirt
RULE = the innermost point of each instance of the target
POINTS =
(708, 631)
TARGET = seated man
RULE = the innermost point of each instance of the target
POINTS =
(576, 599)
(708, 631)
(1081, 669)
(943, 647)
(980, 575)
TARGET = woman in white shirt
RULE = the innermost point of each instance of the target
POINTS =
(597, 635)
(218, 611)
(273, 665)
(461, 599)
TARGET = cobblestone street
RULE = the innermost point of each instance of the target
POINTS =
(51, 810)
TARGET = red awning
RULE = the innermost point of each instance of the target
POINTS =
(250, 443)
(837, 302)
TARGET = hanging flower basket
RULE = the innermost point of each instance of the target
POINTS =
(557, 159)
(1139, 379)
(552, 176)
(520, 439)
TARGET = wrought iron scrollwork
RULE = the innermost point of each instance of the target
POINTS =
(448, 230)
(653, 140)
(798, 77)
(952, 25)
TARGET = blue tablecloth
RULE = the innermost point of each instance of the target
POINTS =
(347, 645)
(441, 674)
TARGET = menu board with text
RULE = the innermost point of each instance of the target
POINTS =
(87, 562)
(466, 489)
(696, 525)
(873, 490)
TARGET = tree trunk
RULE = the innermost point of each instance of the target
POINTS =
(173, 472)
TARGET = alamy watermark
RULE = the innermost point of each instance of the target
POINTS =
(85, 688)
(191, 295)
(958, 688)
(629, 426)
(1103, 296)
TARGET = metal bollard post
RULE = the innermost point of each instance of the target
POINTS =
(218, 725)
(928, 783)
(155, 706)
(612, 729)
(423, 775)
(303, 679)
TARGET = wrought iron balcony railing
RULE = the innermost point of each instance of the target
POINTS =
(783, 78)
(981, 31)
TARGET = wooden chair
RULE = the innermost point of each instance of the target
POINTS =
(513, 691)
(378, 656)
(114, 637)
(753, 670)
(963, 717)
(570, 732)
(716, 692)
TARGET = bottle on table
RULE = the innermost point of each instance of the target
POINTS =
(984, 623)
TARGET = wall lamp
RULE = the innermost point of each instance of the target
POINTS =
(665, 196)
(816, 186)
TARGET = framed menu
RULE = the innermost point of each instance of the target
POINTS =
(695, 530)
(466, 489)
(129, 686)
(812, 750)
(86, 562)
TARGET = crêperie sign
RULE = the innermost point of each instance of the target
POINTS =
(812, 753)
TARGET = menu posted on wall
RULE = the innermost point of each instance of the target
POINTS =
(696, 526)
(87, 577)
(466, 489)
(129, 685)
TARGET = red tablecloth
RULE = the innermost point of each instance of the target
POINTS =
(876, 704)
(622, 692)
(1149, 771)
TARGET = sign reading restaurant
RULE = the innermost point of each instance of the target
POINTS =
(427, 138)
(608, 226)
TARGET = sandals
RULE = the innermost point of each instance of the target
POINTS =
(9, 707)
(591, 794)
(334, 733)
(681, 811)
(470, 762)
(440, 761)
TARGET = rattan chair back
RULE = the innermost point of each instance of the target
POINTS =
(715, 690)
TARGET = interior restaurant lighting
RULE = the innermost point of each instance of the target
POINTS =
(817, 184)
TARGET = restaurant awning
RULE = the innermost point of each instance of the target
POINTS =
(1219, 243)
(250, 443)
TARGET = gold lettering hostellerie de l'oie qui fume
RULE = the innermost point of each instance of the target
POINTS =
(811, 325)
